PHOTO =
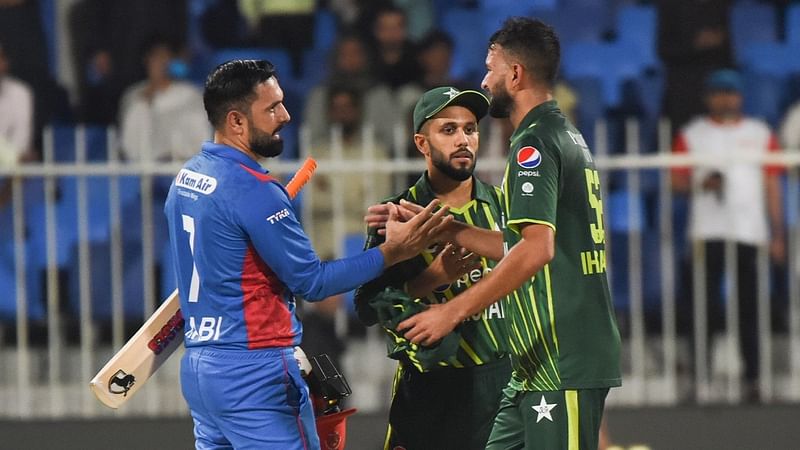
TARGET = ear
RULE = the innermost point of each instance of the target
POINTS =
(236, 121)
(517, 73)
(420, 140)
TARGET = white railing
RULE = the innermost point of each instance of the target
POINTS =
(43, 374)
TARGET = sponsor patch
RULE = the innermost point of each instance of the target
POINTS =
(527, 188)
(196, 181)
(529, 157)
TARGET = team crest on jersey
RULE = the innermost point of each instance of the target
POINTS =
(529, 157)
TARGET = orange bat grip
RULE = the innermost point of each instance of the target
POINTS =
(301, 177)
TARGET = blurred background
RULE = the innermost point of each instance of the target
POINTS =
(101, 102)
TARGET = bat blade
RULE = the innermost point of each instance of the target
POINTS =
(141, 356)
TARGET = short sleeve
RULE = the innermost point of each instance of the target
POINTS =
(532, 184)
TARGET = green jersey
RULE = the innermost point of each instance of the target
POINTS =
(483, 336)
(563, 334)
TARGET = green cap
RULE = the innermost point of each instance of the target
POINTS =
(439, 98)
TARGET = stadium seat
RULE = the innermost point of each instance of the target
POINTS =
(325, 29)
(752, 22)
(793, 25)
(611, 63)
(100, 284)
(762, 96)
(637, 25)
(468, 28)
(770, 58)
(591, 106)
(277, 56)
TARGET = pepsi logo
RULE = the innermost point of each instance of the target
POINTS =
(528, 157)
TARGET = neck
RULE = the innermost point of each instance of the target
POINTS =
(526, 100)
(234, 142)
(451, 192)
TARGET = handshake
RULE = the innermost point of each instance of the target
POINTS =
(408, 228)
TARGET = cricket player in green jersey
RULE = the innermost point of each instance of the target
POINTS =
(562, 332)
(445, 397)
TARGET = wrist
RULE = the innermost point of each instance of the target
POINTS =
(391, 253)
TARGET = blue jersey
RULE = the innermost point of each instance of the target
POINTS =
(241, 255)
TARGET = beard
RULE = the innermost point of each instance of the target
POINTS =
(265, 144)
(500, 105)
(441, 162)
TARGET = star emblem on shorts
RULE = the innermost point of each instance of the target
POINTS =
(451, 93)
(543, 410)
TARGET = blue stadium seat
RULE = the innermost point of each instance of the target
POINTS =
(752, 22)
(578, 23)
(763, 94)
(277, 56)
(637, 25)
(325, 29)
(619, 220)
(100, 263)
(591, 106)
(611, 63)
(770, 58)
(468, 29)
(793, 25)
(65, 141)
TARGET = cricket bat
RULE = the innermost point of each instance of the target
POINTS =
(159, 337)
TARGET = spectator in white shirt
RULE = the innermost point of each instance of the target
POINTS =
(16, 115)
(737, 201)
(162, 118)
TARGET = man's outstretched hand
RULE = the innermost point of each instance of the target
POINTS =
(406, 239)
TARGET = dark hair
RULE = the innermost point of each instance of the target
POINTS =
(231, 85)
(534, 43)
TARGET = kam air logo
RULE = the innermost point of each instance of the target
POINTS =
(121, 383)
(528, 157)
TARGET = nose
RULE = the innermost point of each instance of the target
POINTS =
(284, 117)
(461, 138)
(484, 84)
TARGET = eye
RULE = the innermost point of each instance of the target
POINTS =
(448, 129)
(470, 129)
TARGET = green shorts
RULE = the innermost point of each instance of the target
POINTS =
(555, 420)
(446, 408)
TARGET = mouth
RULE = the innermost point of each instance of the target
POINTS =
(462, 156)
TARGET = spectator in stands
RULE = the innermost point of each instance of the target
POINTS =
(395, 55)
(693, 41)
(348, 140)
(16, 115)
(736, 201)
(162, 118)
(107, 35)
(351, 66)
(23, 38)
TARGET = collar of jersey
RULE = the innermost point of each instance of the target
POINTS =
(533, 116)
(225, 151)
(425, 194)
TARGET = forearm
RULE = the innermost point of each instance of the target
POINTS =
(775, 206)
(518, 266)
(423, 284)
(487, 243)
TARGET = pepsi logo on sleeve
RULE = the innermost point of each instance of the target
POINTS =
(529, 157)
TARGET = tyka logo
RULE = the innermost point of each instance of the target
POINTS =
(121, 383)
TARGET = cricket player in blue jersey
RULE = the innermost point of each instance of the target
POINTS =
(241, 258)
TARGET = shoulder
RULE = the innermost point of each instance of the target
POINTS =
(756, 125)
(17, 87)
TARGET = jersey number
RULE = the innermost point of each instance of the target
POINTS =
(194, 286)
(593, 191)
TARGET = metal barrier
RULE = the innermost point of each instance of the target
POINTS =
(52, 348)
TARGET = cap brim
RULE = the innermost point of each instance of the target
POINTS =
(472, 100)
